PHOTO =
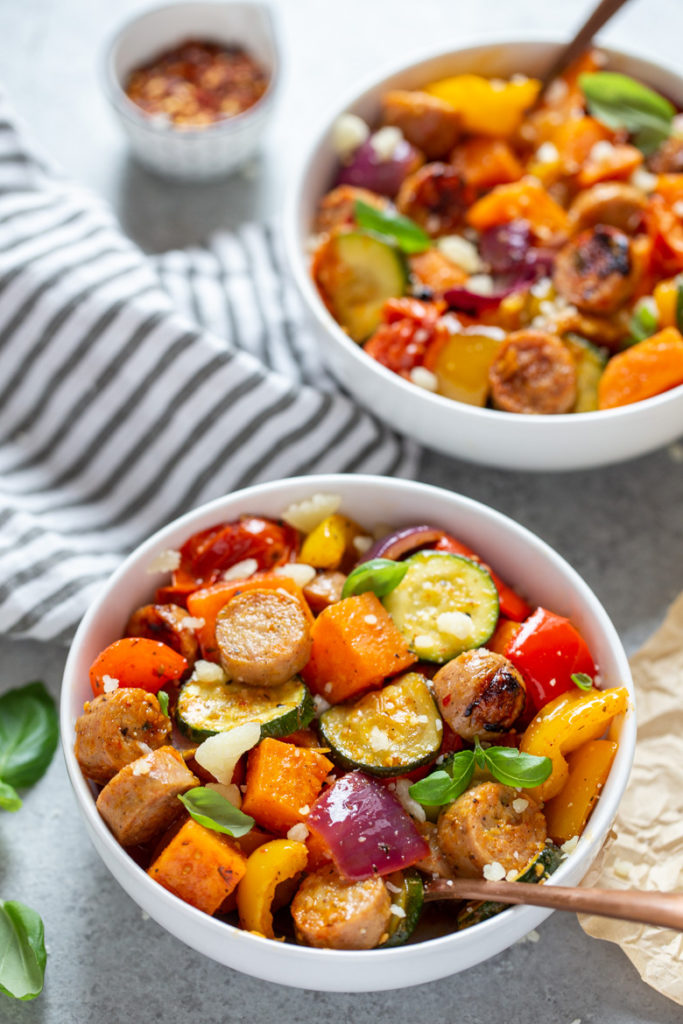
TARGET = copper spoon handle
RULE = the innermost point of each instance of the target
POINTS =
(663, 909)
(602, 13)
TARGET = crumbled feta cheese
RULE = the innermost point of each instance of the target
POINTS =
(208, 672)
(348, 133)
(424, 378)
(414, 809)
(298, 833)
(165, 561)
(304, 810)
(142, 766)
(144, 748)
(438, 725)
(229, 792)
(109, 684)
(377, 739)
(301, 573)
(511, 875)
(556, 92)
(520, 805)
(370, 619)
(480, 284)
(570, 845)
(327, 687)
(396, 910)
(643, 180)
(494, 872)
(678, 208)
(190, 622)
(547, 153)
(391, 887)
(602, 150)
(307, 514)
(385, 141)
(451, 323)
(220, 753)
(422, 641)
(362, 543)
(541, 289)
(320, 703)
(457, 624)
(241, 570)
(461, 252)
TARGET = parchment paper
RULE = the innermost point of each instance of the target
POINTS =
(647, 850)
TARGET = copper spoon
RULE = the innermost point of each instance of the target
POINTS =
(662, 909)
(602, 13)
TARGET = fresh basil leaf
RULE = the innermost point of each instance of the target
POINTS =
(621, 102)
(22, 949)
(461, 769)
(213, 811)
(582, 680)
(513, 768)
(380, 575)
(162, 697)
(446, 784)
(403, 231)
(643, 323)
(9, 798)
(679, 306)
(479, 753)
(28, 734)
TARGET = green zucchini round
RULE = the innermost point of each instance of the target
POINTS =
(540, 869)
(206, 708)
(368, 272)
(436, 583)
(409, 900)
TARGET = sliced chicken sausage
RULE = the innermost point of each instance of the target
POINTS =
(325, 589)
(611, 202)
(429, 123)
(337, 208)
(263, 637)
(595, 270)
(533, 372)
(141, 801)
(434, 197)
(117, 728)
(479, 693)
(167, 623)
(668, 159)
(330, 912)
(491, 823)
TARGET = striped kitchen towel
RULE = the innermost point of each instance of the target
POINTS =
(133, 389)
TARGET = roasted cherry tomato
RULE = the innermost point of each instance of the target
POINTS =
(207, 555)
(410, 330)
(548, 650)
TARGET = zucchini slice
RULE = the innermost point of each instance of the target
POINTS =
(409, 900)
(389, 732)
(205, 708)
(540, 869)
(435, 585)
(590, 364)
(362, 273)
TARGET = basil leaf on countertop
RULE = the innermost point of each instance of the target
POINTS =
(513, 768)
(29, 733)
(380, 575)
(403, 231)
(620, 102)
(213, 811)
(22, 951)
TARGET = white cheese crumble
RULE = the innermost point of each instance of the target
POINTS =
(307, 514)
(480, 284)
(424, 378)
(165, 561)
(301, 573)
(142, 766)
(414, 809)
(220, 753)
(191, 622)
(298, 833)
(547, 153)
(602, 150)
(511, 875)
(541, 289)
(520, 805)
(241, 570)
(320, 703)
(438, 725)
(570, 845)
(494, 872)
(678, 208)
(643, 180)
(461, 252)
(385, 142)
(229, 792)
(348, 133)
(457, 624)
(391, 887)
(370, 619)
(362, 543)
(377, 739)
(208, 672)
(109, 684)
(397, 911)
(556, 91)
(422, 641)
(304, 810)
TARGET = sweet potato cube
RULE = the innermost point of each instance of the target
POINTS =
(200, 866)
(355, 647)
(283, 780)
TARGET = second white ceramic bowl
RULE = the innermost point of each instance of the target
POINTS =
(520, 557)
(485, 436)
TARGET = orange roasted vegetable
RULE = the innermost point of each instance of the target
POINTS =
(575, 138)
(522, 200)
(200, 866)
(614, 163)
(567, 813)
(666, 299)
(139, 662)
(283, 780)
(646, 369)
(484, 162)
(355, 647)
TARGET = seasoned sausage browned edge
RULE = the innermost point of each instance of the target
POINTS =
(331, 912)
(337, 208)
(427, 122)
(479, 693)
(611, 202)
(533, 372)
(165, 622)
(434, 197)
(117, 728)
(595, 270)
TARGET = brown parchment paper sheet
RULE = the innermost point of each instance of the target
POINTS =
(647, 850)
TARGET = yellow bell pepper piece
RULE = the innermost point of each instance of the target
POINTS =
(488, 106)
(270, 864)
(326, 545)
(567, 813)
(666, 299)
(462, 367)
(566, 723)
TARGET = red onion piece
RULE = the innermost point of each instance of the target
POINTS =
(366, 170)
(366, 829)
(401, 542)
(505, 246)
(467, 301)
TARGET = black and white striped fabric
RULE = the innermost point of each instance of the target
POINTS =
(133, 389)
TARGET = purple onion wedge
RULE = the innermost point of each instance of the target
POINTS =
(401, 542)
(367, 170)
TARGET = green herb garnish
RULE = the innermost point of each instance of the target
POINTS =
(643, 323)
(162, 697)
(582, 680)
(29, 733)
(380, 575)
(22, 951)
(394, 227)
(213, 811)
(622, 103)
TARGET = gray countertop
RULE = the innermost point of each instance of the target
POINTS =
(620, 527)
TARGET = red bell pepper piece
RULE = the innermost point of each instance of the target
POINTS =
(548, 650)
(512, 606)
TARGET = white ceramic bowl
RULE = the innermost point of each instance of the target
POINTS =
(519, 557)
(478, 435)
(200, 153)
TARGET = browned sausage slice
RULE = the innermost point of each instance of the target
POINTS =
(434, 863)
(610, 202)
(533, 372)
(167, 623)
(325, 589)
(142, 799)
(429, 123)
(491, 823)
(263, 637)
(434, 197)
(668, 159)
(117, 728)
(595, 270)
(330, 912)
(336, 209)
(479, 693)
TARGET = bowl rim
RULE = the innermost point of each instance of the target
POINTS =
(298, 257)
(155, 898)
(130, 111)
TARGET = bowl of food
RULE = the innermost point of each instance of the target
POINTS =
(193, 84)
(493, 268)
(282, 714)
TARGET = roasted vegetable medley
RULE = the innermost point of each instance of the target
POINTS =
(311, 721)
(506, 248)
